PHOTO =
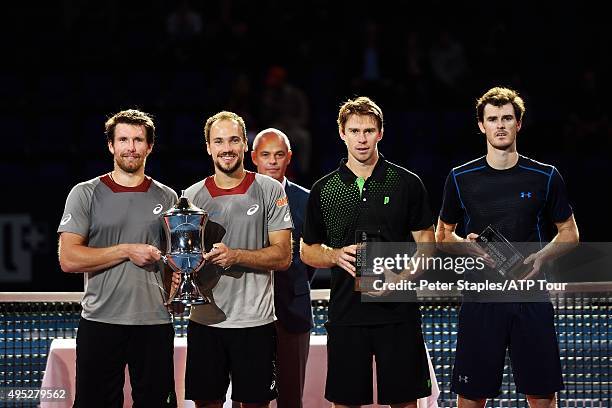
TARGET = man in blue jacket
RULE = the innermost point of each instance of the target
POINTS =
(272, 154)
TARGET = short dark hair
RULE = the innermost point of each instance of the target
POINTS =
(130, 117)
(224, 115)
(360, 106)
(500, 96)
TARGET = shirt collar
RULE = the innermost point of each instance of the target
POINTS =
(378, 173)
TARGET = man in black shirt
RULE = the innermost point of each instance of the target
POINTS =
(520, 198)
(367, 193)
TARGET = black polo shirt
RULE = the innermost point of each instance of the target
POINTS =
(390, 204)
(522, 203)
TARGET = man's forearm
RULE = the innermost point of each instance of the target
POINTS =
(426, 250)
(562, 243)
(81, 259)
(425, 247)
(318, 255)
(274, 257)
(449, 242)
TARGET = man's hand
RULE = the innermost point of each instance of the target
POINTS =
(345, 258)
(390, 277)
(143, 254)
(476, 250)
(537, 260)
(221, 255)
(565, 240)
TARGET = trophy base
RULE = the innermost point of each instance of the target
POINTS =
(191, 302)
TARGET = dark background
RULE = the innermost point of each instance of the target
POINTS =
(67, 65)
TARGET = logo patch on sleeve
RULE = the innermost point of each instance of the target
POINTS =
(66, 219)
(281, 202)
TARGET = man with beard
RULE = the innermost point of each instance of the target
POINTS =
(521, 199)
(110, 231)
(250, 231)
(370, 194)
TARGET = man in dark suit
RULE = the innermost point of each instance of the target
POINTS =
(272, 154)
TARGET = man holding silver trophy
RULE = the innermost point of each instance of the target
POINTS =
(247, 236)
(110, 231)
(503, 199)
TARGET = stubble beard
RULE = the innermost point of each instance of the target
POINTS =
(228, 170)
(131, 169)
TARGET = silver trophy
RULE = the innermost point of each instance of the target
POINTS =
(184, 227)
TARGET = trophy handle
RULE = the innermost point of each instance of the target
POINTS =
(168, 261)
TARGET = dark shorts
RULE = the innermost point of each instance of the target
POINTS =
(402, 369)
(214, 354)
(486, 330)
(104, 349)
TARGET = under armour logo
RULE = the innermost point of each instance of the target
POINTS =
(463, 379)
(525, 194)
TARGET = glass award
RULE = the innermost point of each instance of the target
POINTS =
(508, 260)
(364, 274)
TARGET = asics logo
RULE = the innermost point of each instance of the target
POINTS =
(253, 209)
(66, 219)
(287, 217)
(158, 208)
